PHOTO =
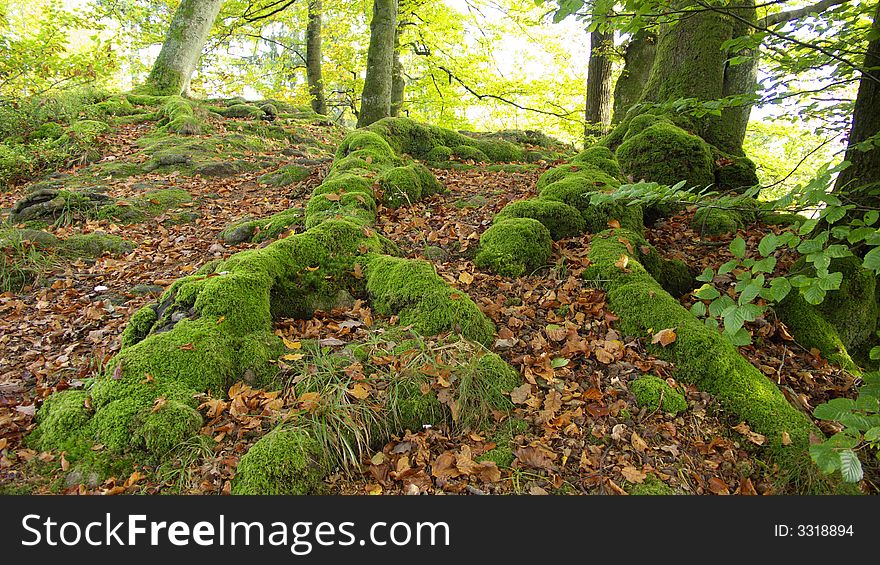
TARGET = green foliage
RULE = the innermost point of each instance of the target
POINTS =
(655, 393)
(860, 419)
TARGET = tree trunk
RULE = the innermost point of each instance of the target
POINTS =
(637, 62)
(691, 63)
(598, 106)
(183, 45)
(861, 180)
(376, 96)
(398, 81)
(741, 79)
(313, 58)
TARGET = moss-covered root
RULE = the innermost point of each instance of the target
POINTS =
(561, 219)
(704, 357)
(515, 247)
(412, 290)
(284, 461)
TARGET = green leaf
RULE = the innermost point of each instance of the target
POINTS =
(833, 214)
(807, 227)
(872, 260)
(768, 244)
(721, 304)
(814, 294)
(874, 354)
(740, 338)
(707, 292)
(698, 309)
(738, 247)
(850, 466)
(765, 265)
(870, 217)
(559, 362)
(868, 403)
(833, 409)
(734, 320)
(873, 435)
(707, 275)
(780, 287)
(727, 267)
(825, 458)
(830, 281)
(750, 292)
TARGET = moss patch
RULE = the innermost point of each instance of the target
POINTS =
(559, 218)
(655, 394)
(514, 247)
(666, 154)
(284, 461)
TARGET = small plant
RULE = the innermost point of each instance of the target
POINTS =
(21, 263)
(860, 420)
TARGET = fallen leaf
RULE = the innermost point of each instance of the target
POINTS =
(633, 475)
(664, 337)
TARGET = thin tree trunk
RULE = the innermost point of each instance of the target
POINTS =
(861, 180)
(183, 45)
(741, 79)
(313, 58)
(598, 107)
(376, 96)
(398, 81)
(637, 62)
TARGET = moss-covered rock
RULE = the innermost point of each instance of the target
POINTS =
(95, 244)
(601, 158)
(576, 190)
(468, 153)
(439, 154)
(515, 247)
(284, 461)
(412, 290)
(559, 218)
(666, 154)
(735, 173)
(725, 215)
(654, 393)
(286, 175)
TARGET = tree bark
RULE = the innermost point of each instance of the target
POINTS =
(861, 180)
(183, 45)
(691, 63)
(398, 81)
(598, 107)
(376, 96)
(637, 62)
(313, 58)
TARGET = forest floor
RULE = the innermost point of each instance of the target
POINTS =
(586, 434)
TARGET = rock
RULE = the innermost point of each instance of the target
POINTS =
(434, 253)
(293, 152)
(39, 237)
(96, 244)
(50, 203)
(173, 159)
(216, 248)
(219, 169)
(238, 232)
(142, 289)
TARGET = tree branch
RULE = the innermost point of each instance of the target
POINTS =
(796, 14)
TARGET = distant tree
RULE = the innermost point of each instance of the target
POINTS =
(376, 95)
(314, 74)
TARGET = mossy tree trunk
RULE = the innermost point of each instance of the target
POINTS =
(638, 58)
(861, 180)
(398, 80)
(376, 96)
(183, 45)
(692, 63)
(598, 107)
(314, 75)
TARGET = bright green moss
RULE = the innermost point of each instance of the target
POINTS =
(585, 173)
(277, 224)
(601, 158)
(725, 215)
(343, 183)
(701, 355)
(439, 154)
(654, 393)
(352, 206)
(139, 326)
(561, 219)
(169, 426)
(286, 175)
(412, 290)
(468, 153)
(409, 408)
(284, 461)
(674, 276)
(576, 190)
(243, 111)
(504, 440)
(667, 154)
(652, 486)
(149, 205)
(735, 173)
(484, 387)
(185, 125)
(64, 423)
(515, 247)
(95, 244)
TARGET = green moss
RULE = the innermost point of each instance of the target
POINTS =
(276, 224)
(514, 247)
(355, 207)
(412, 290)
(667, 154)
(655, 393)
(439, 154)
(652, 486)
(576, 191)
(585, 173)
(284, 461)
(95, 244)
(344, 183)
(286, 175)
(139, 326)
(702, 355)
(149, 205)
(782, 219)
(169, 426)
(559, 218)
(725, 215)
(65, 424)
(734, 173)
(601, 158)
(504, 438)
(243, 111)
(468, 153)
(401, 186)
(409, 408)
(484, 387)
(674, 276)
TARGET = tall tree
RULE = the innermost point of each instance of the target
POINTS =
(597, 112)
(398, 81)
(638, 58)
(376, 96)
(862, 178)
(183, 45)
(314, 75)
